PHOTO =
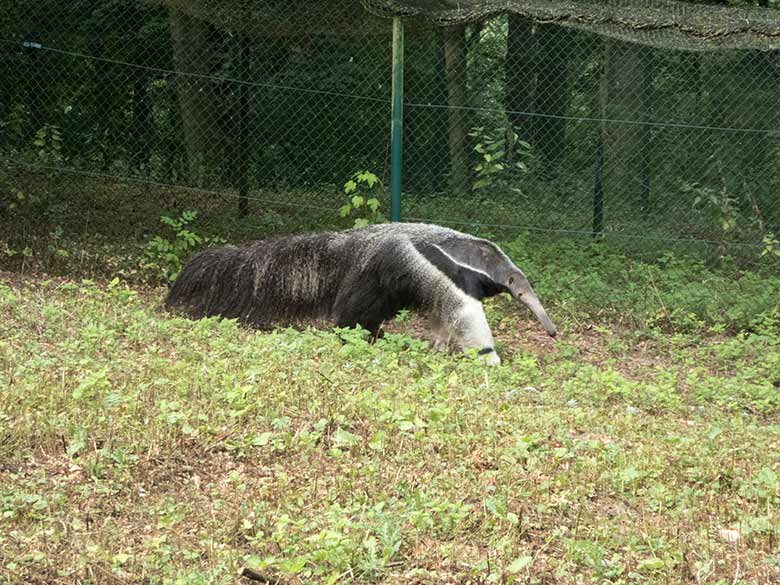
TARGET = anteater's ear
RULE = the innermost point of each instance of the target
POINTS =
(471, 281)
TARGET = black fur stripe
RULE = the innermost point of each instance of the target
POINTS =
(475, 283)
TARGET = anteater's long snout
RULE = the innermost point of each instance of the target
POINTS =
(527, 295)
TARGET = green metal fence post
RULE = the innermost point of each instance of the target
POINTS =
(396, 133)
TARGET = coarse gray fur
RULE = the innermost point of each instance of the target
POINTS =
(361, 277)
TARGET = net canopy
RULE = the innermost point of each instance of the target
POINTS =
(669, 24)
(661, 23)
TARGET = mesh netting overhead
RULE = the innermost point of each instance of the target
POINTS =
(282, 18)
(661, 23)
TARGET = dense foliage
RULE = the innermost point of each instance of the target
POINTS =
(688, 149)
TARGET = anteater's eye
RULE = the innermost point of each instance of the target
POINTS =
(511, 280)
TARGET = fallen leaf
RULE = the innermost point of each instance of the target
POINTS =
(729, 535)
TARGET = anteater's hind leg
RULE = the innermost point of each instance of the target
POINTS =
(366, 306)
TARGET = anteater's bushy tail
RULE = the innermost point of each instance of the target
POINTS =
(218, 282)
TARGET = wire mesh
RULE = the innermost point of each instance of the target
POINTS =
(562, 127)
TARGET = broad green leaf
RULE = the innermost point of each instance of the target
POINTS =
(293, 566)
(344, 439)
(77, 443)
(519, 564)
(120, 558)
(262, 439)
(405, 425)
(377, 441)
(630, 474)
(368, 178)
(650, 565)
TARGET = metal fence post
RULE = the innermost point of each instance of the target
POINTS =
(396, 165)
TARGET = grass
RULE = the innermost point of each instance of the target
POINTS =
(137, 447)
(640, 446)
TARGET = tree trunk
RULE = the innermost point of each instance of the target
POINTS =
(241, 155)
(141, 137)
(624, 79)
(34, 80)
(601, 109)
(552, 95)
(191, 54)
(646, 131)
(520, 75)
(455, 63)
(9, 65)
(439, 156)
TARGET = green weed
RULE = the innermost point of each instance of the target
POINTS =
(142, 446)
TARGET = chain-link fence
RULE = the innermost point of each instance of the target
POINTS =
(654, 124)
